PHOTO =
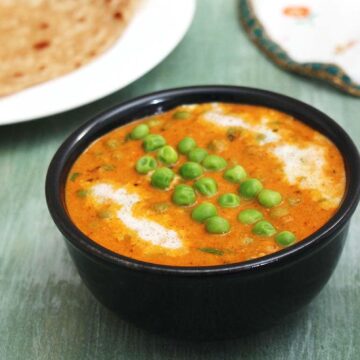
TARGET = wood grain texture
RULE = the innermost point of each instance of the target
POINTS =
(45, 310)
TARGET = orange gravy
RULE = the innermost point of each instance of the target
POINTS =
(285, 154)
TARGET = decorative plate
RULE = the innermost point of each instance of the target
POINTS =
(314, 38)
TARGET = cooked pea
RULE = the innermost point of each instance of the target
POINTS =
(217, 225)
(197, 155)
(168, 155)
(161, 178)
(203, 212)
(183, 195)
(269, 198)
(186, 145)
(139, 132)
(250, 216)
(214, 163)
(264, 228)
(250, 188)
(229, 200)
(181, 115)
(236, 174)
(190, 170)
(153, 142)
(285, 238)
(206, 186)
(145, 164)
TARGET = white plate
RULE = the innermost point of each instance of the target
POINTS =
(157, 27)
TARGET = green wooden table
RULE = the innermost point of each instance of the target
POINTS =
(45, 310)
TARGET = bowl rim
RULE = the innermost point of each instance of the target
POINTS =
(55, 198)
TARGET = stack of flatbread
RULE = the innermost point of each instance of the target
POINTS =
(43, 39)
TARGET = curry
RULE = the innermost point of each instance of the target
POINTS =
(205, 184)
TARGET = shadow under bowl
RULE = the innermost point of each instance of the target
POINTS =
(205, 302)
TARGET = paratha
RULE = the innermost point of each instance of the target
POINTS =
(44, 39)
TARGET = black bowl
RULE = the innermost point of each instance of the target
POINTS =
(205, 302)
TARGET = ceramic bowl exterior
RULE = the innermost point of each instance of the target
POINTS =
(205, 302)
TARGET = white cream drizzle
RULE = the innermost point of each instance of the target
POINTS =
(148, 230)
(216, 116)
(305, 167)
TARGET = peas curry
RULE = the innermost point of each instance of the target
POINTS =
(205, 184)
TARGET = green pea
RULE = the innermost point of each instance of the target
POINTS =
(190, 170)
(285, 238)
(269, 198)
(250, 188)
(197, 155)
(229, 200)
(236, 174)
(181, 115)
(153, 142)
(214, 163)
(162, 178)
(139, 132)
(264, 228)
(203, 212)
(168, 155)
(186, 145)
(217, 225)
(145, 164)
(206, 186)
(250, 216)
(183, 195)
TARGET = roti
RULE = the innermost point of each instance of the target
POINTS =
(44, 39)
